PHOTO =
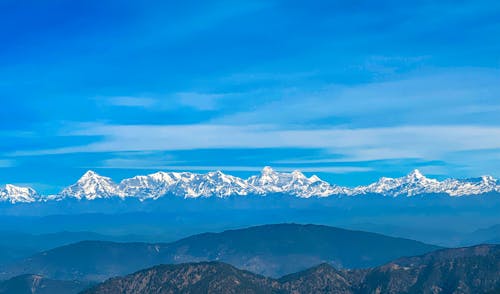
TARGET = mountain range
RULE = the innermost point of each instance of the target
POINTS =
(217, 184)
(17, 245)
(462, 270)
(35, 284)
(272, 250)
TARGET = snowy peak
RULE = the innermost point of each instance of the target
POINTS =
(415, 183)
(489, 180)
(296, 174)
(268, 181)
(471, 186)
(415, 175)
(150, 186)
(417, 178)
(314, 178)
(184, 184)
(294, 183)
(88, 176)
(218, 184)
(267, 170)
(267, 177)
(91, 186)
(14, 194)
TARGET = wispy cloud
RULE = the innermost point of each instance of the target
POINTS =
(6, 163)
(384, 65)
(200, 101)
(431, 97)
(252, 77)
(130, 101)
(196, 100)
(354, 144)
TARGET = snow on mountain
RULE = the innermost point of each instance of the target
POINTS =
(217, 184)
(151, 186)
(472, 186)
(192, 185)
(213, 184)
(91, 186)
(185, 184)
(295, 183)
(416, 183)
(412, 184)
(15, 194)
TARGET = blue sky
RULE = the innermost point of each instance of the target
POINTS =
(349, 90)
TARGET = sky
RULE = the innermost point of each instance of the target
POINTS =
(348, 90)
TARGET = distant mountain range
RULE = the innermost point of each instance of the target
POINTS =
(463, 270)
(35, 284)
(17, 245)
(217, 184)
(272, 250)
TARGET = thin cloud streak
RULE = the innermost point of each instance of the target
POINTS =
(6, 163)
(435, 96)
(425, 142)
(146, 165)
(130, 101)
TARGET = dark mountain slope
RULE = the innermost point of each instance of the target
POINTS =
(275, 250)
(89, 260)
(205, 277)
(18, 245)
(320, 279)
(272, 250)
(34, 284)
(464, 270)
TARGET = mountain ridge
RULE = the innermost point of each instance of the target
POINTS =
(36, 284)
(93, 186)
(459, 270)
(265, 249)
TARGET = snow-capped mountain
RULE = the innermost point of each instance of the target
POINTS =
(192, 185)
(415, 183)
(153, 185)
(472, 186)
(217, 184)
(212, 184)
(295, 183)
(14, 194)
(185, 184)
(91, 186)
(412, 184)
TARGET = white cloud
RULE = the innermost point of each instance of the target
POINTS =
(424, 142)
(139, 164)
(144, 102)
(200, 101)
(194, 100)
(6, 163)
(438, 96)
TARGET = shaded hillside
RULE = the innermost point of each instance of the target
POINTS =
(205, 277)
(464, 270)
(34, 284)
(320, 279)
(275, 250)
(89, 260)
(272, 250)
(489, 235)
(17, 245)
